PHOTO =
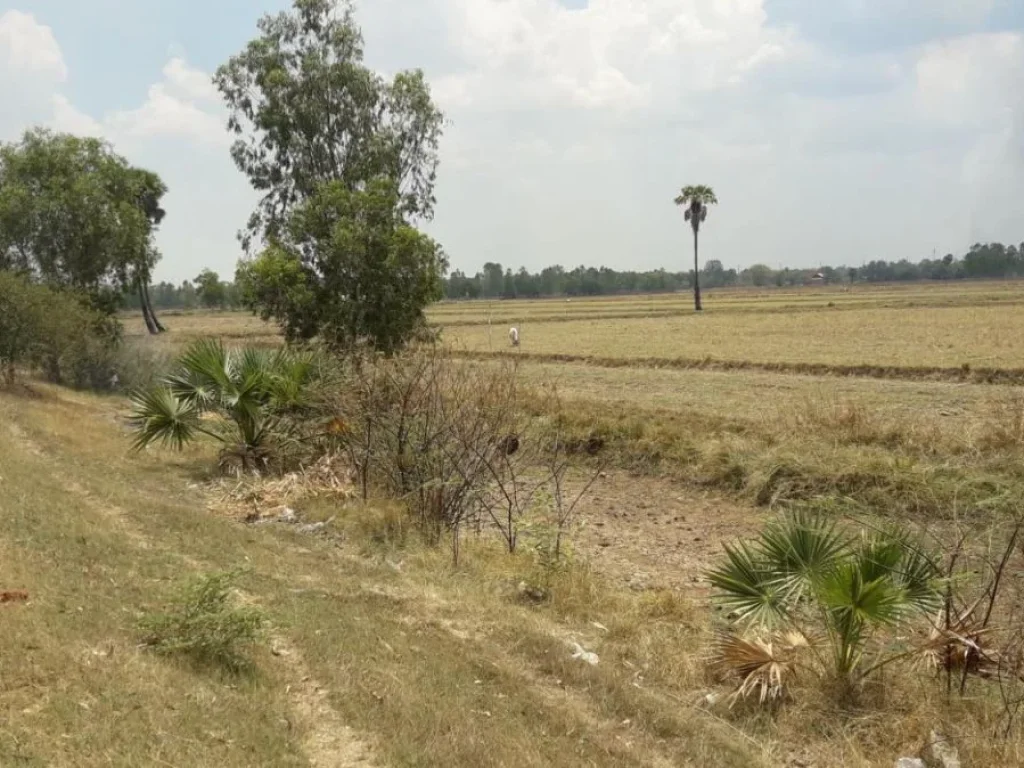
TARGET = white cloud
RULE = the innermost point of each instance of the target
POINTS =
(188, 83)
(183, 104)
(28, 48)
(972, 79)
(611, 54)
(976, 85)
(68, 119)
(31, 68)
(166, 114)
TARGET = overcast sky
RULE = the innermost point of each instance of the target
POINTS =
(833, 131)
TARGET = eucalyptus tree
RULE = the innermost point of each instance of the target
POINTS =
(346, 162)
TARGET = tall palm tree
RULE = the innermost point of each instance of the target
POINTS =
(696, 199)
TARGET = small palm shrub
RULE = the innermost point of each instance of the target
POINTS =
(202, 625)
(807, 596)
(250, 400)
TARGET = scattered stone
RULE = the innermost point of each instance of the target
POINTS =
(638, 583)
(532, 594)
(314, 527)
(288, 516)
(710, 699)
(583, 655)
(910, 762)
(940, 752)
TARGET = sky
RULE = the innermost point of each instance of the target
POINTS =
(833, 132)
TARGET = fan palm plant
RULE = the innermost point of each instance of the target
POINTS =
(805, 577)
(244, 398)
(696, 199)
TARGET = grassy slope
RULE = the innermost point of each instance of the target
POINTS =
(429, 666)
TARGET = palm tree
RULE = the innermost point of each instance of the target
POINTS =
(696, 199)
(804, 583)
(251, 394)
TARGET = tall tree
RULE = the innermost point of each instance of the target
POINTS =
(75, 215)
(696, 200)
(210, 289)
(327, 140)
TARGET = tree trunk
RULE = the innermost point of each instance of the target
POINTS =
(150, 321)
(696, 274)
(149, 306)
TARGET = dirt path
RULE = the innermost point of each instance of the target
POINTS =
(655, 534)
(327, 741)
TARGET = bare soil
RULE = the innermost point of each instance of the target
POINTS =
(653, 533)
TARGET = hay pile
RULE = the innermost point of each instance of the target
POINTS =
(254, 497)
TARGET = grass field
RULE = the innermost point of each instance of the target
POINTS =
(979, 325)
(415, 662)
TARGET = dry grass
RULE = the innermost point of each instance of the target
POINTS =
(755, 396)
(428, 665)
(442, 666)
(988, 337)
(921, 325)
(744, 300)
(184, 327)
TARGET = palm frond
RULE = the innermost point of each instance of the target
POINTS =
(851, 599)
(696, 193)
(159, 416)
(747, 586)
(964, 645)
(765, 667)
(801, 549)
(204, 375)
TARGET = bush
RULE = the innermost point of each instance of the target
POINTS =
(203, 626)
(55, 334)
(807, 595)
(259, 397)
(141, 365)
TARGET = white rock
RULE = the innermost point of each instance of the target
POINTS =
(711, 699)
(940, 752)
(584, 655)
(910, 762)
(287, 516)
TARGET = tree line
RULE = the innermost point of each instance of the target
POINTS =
(981, 261)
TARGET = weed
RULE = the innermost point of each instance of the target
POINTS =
(202, 625)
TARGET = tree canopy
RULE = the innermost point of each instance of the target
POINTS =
(306, 110)
(374, 273)
(73, 214)
(346, 161)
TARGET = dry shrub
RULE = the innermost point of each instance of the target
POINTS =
(847, 423)
(327, 477)
(1002, 428)
(431, 431)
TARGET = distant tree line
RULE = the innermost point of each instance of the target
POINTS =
(983, 260)
(206, 291)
